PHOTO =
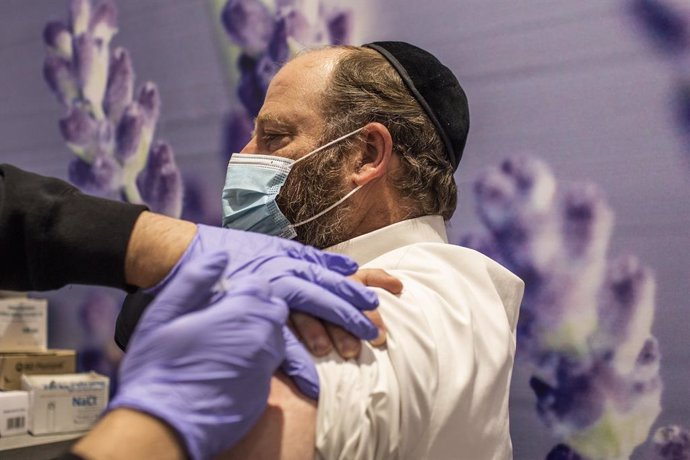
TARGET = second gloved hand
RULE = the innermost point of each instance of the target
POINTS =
(307, 279)
(202, 360)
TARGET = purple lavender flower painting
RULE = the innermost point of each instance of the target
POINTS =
(108, 124)
(672, 443)
(264, 34)
(666, 24)
(97, 350)
(585, 323)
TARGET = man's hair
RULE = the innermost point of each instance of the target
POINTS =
(364, 88)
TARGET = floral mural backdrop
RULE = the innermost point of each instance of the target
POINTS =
(602, 370)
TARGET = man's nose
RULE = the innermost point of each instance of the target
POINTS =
(250, 147)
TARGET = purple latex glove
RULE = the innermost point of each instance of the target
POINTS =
(308, 280)
(202, 360)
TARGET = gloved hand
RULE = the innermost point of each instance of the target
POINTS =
(201, 360)
(308, 280)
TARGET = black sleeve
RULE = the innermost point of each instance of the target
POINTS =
(128, 318)
(51, 234)
(69, 456)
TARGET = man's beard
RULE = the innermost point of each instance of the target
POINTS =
(311, 187)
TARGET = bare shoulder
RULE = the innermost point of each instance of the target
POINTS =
(286, 431)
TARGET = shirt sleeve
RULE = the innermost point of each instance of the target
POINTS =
(133, 307)
(51, 234)
(357, 407)
(365, 404)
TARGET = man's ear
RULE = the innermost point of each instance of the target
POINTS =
(376, 156)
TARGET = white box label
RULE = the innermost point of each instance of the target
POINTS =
(23, 324)
(65, 403)
(14, 412)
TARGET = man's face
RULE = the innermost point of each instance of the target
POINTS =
(290, 124)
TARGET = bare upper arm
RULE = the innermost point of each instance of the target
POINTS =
(286, 430)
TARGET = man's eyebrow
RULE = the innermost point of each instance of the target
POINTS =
(272, 120)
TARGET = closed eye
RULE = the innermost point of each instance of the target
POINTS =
(275, 141)
(273, 132)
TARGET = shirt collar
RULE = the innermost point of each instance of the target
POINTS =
(367, 247)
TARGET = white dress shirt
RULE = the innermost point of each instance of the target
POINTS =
(439, 388)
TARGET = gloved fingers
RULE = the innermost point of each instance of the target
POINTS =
(276, 311)
(334, 262)
(306, 297)
(349, 290)
(190, 289)
(347, 345)
(312, 333)
(320, 337)
(247, 321)
(299, 366)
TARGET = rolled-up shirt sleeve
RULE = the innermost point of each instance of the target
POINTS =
(358, 407)
(365, 404)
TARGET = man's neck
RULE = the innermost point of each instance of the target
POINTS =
(370, 223)
(376, 208)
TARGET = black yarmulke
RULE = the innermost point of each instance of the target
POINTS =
(436, 89)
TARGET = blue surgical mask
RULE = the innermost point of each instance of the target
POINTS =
(252, 184)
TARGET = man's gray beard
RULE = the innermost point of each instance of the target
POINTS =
(311, 187)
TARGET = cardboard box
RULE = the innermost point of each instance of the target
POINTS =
(14, 413)
(23, 324)
(13, 365)
(12, 294)
(65, 403)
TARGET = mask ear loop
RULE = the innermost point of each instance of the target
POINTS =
(324, 147)
(328, 208)
(340, 201)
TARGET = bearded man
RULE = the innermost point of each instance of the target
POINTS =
(354, 150)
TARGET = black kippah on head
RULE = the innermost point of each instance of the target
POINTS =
(436, 89)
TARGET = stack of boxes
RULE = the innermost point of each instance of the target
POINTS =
(39, 391)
